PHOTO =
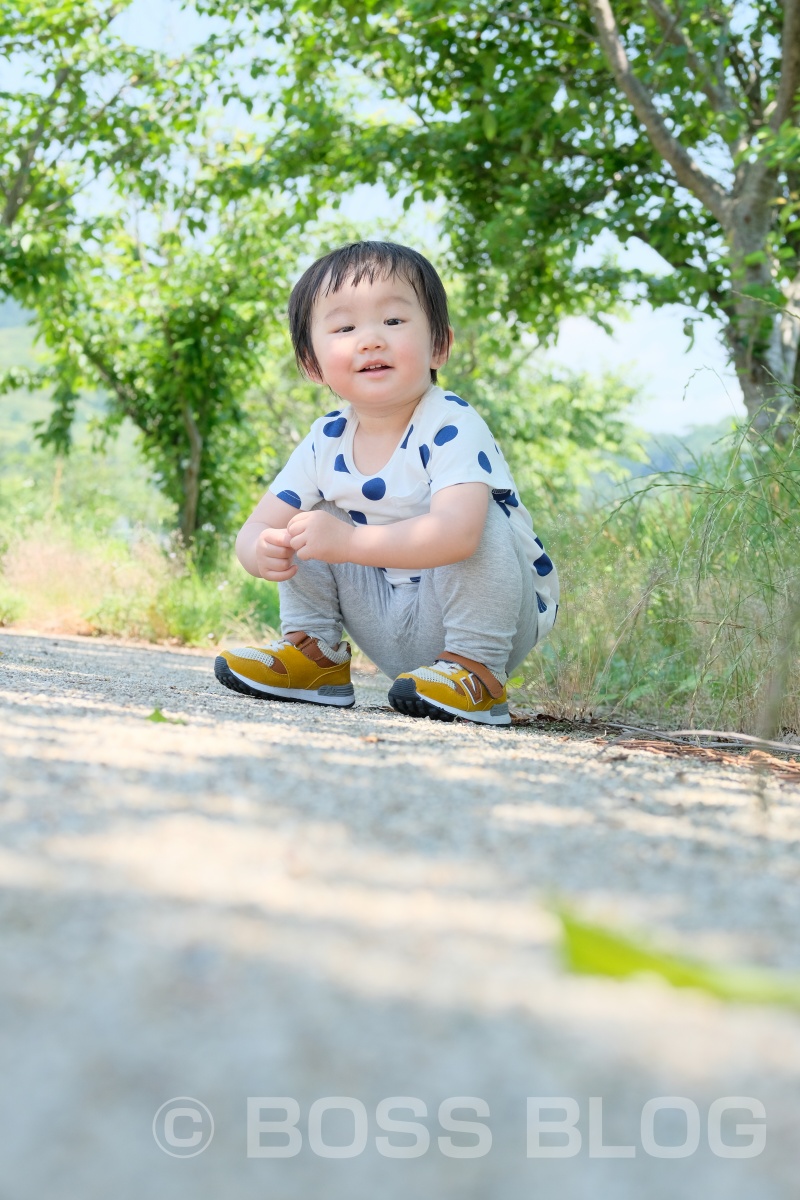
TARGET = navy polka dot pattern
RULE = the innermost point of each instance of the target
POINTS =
(335, 428)
(455, 446)
(374, 489)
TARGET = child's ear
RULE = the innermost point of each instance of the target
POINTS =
(438, 360)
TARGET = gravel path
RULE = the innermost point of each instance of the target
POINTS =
(270, 900)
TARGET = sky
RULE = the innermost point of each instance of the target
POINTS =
(681, 386)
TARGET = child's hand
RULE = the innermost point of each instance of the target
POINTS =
(320, 535)
(274, 555)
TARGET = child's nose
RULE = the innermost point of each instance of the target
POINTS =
(372, 338)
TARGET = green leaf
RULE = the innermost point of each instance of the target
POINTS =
(158, 718)
(593, 950)
(490, 125)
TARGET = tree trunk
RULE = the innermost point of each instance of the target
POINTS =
(191, 477)
(763, 352)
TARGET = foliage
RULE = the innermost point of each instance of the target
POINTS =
(679, 602)
(174, 327)
(56, 578)
(79, 108)
(546, 128)
(558, 428)
(86, 547)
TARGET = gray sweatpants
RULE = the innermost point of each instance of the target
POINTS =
(484, 607)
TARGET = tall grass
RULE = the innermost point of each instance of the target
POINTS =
(85, 548)
(681, 602)
(57, 580)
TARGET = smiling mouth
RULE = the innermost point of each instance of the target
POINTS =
(374, 369)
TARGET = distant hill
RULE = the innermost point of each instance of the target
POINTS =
(670, 452)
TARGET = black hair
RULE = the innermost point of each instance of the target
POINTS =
(366, 260)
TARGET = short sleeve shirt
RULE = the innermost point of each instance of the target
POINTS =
(446, 443)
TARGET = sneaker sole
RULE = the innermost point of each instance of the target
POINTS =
(404, 698)
(337, 695)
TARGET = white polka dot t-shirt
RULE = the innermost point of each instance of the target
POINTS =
(446, 442)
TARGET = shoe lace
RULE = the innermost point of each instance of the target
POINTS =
(278, 644)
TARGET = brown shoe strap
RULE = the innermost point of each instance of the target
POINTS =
(493, 686)
(310, 647)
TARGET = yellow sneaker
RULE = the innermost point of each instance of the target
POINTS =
(453, 687)
(297, 667)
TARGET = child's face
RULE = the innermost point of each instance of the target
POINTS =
(373, 343)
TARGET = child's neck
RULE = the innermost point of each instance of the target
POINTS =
(378, 434)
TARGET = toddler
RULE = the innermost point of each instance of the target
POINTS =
(397, 517)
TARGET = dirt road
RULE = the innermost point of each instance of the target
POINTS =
(265, 900)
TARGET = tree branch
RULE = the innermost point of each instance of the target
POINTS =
(717, 94)
(14, 199)
(790, 65)
(688, 173)
(748, 83)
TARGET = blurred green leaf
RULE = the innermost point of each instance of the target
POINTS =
(593, 950)
(158, 718)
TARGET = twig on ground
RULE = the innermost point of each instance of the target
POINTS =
(744, 741)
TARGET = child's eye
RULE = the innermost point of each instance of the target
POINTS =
(392, 321)
(345, 329)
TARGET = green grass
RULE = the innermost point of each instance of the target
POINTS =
(679, 603)
(87, 543)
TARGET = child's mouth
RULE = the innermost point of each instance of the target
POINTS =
(375, 369)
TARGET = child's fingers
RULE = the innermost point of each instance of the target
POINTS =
(279, 576)
(279, 538)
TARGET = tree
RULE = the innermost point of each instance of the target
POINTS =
(558, 429)
(80, 107)
(547, 126)
(174, 327)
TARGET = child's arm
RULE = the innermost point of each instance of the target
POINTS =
(262, 545)
(449, 533)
